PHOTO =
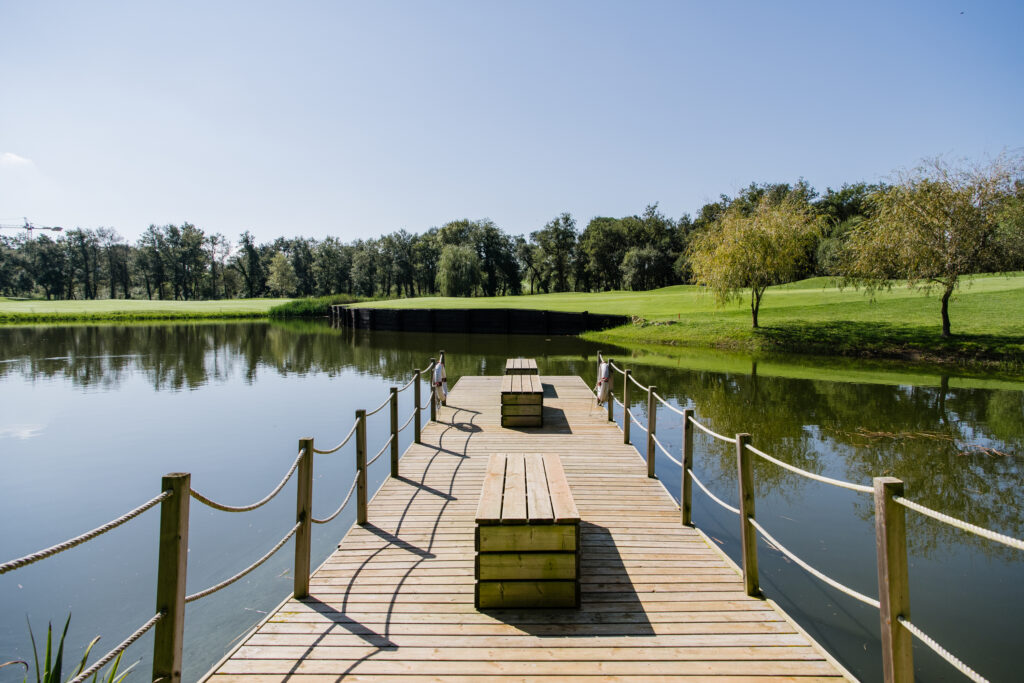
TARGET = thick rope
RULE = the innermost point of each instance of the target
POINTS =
(707, 431)
(811, 475)
(381, 407)
(107, 658)
(642, 387)
(409, 383)
(381, 451)
(942, 652)
(78, 540)
(618, 369)
(960, 524)
(615, 398)
(407, 422)
(636, 421)
(343, 441)
(711, 495)
(665, 451)
(341, 507)
(814, 572)
(236, 577)
(668, 405)
(430, 396)
(246, 508)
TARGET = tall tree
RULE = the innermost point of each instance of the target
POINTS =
(767, 246)
(557, 241)
(458, 271)
(938, 223)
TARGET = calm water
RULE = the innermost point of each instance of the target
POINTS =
(92, 417)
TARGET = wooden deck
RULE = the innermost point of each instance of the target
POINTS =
(395, 601)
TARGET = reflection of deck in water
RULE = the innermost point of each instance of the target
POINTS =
(396, 599)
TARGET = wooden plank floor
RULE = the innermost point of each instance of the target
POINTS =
(395, 601)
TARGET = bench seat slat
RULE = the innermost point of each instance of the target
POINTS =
(538, 500)
(562, 503)
(513, 506)
(489, 509)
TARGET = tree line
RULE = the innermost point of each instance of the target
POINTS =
(933, 225)
(461, 258)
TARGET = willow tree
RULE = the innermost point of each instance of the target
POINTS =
(754, 248)
(937, 224)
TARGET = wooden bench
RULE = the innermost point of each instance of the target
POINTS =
(522, 401)
(527, 535)
(521, 366)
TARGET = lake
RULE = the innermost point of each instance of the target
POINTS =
(93, 416)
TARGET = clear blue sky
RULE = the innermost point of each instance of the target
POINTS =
(357, 119)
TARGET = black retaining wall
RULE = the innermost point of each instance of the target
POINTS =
(473, 320)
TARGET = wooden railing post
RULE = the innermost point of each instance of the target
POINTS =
(652, 421)
(361, 467)
(625, 406)
(611, 391)
(394, 432)
(417, 397)
(172, 567)
(433, 394)
(748, 534)
(893, 585)
(686, 496)
(304, 518)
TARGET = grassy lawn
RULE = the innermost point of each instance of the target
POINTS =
(35, 310)
(811, 316)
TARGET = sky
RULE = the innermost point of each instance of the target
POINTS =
(356, 119)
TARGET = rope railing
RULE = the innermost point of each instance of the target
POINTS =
(707, 431)
(379, 408)
(811, 475)
(665, 450)
(125, 644)
(960, 524)
(941, 651)
(343, 441)
(617, 368)
(227, 582)
(746, 514)
(78, 540)
(430, 396)
(246, 508)
(811, 570)
(387, 444)
(409, 383)
(408, 422)
(668, 405)
(641, 386)
(616, 399)
(341, 507)
(712, 496)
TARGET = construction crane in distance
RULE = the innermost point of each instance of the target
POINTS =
(27, 226)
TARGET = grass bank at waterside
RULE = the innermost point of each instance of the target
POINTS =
(812, 316)
(129, 310)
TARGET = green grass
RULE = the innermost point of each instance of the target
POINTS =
(127, 310)
(311, 307)
(810, 317)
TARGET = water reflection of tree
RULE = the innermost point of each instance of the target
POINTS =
(185, 356)
(927, 436)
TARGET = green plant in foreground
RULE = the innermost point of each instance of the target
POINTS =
(53, 661)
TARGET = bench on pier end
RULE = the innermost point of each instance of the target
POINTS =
(521, 366)
(522, 401)
(527, 535)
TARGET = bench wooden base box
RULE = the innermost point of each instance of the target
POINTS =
(521, 366)
(522, 401)
(527, 535)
